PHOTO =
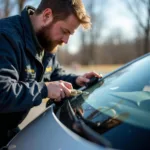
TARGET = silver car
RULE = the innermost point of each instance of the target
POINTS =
(110, 113)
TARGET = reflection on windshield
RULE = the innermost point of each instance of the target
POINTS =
(137, 97)
(122, 97)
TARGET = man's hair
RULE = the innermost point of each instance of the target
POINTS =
(61, 9)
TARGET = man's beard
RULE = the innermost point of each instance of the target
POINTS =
(43, 39)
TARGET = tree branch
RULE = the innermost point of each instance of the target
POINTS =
(135, 14)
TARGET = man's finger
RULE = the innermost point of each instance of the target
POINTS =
(68, 85)
(62, 94)
(84, 79)
(66, 91)
(91, 74)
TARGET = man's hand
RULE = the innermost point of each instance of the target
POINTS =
(58, 89)
(81, 80)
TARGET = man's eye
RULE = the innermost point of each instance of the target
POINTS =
(65, 32)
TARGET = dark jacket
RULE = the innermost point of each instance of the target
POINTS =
(23, 70)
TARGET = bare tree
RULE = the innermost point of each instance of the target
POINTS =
(141, 11)
(92, 37)
(21, 4)
(139, 41)
(7, 6)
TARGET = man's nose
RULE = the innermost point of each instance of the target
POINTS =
(65, 39)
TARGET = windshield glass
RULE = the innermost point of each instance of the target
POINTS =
(122, 97)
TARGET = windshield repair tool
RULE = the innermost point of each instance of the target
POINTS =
(74, 92)
(78, 92)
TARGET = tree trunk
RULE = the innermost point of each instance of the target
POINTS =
(146, 42)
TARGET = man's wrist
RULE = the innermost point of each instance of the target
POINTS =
(75, 84)
(44, 91)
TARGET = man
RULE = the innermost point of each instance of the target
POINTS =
(29, 70)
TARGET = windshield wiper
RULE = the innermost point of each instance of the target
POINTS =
(83, 130)
(103, 126)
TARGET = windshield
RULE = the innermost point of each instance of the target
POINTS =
(124, 96)
(118, 106)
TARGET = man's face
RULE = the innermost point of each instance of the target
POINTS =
(52, 35)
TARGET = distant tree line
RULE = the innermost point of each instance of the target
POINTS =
(106, 53)
(115, 49)
(7, 6)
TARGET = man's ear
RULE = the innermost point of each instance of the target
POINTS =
(47, 16)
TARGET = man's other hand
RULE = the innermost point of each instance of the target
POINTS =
(81, 80)
(58, 90)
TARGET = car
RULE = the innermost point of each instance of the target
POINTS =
(112, 112)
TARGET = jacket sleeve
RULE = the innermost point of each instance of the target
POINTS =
(16, 95)
(60, 74)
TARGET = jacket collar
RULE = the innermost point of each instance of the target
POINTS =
(31, 41)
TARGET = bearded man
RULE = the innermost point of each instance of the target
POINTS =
(29, 70)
